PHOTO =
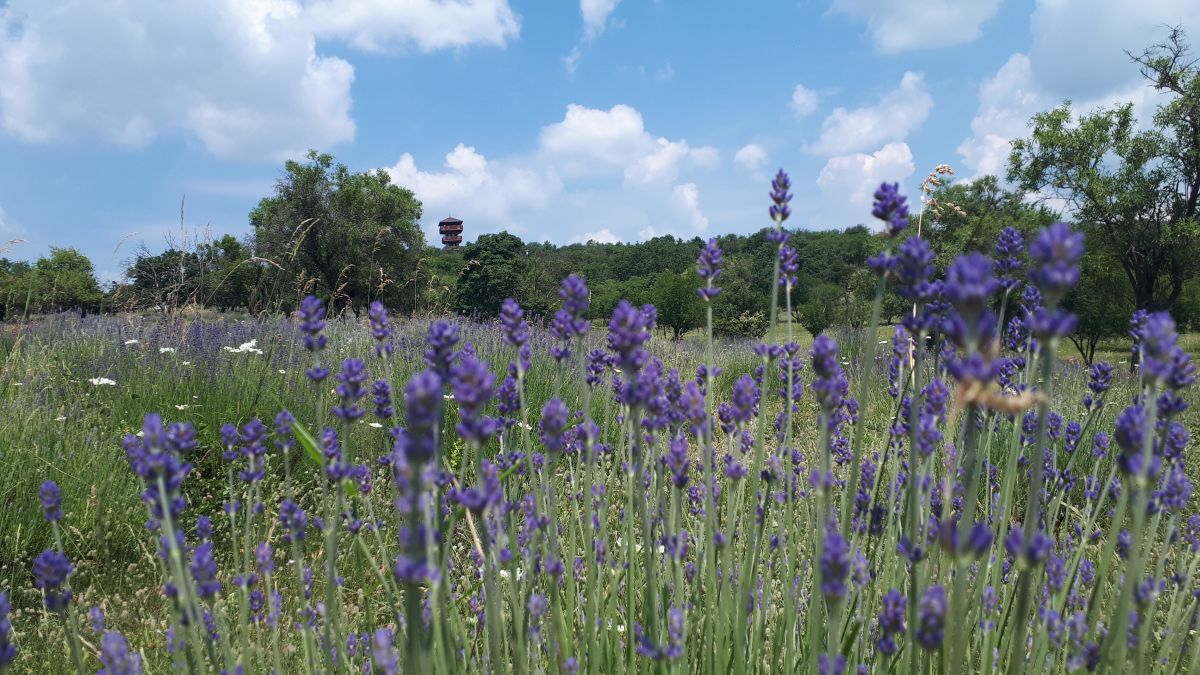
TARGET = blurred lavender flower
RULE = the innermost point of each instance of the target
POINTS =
(708, 267)
(381, 396)
(512, 321)
(780, 197)
(1054, 261)
(422, 404)
(204, 571)
(294, 520)
(473, 385)
(553, 425)
(50, 571)
(8, 650)
(1010, 247)
(789, 266)
(51, 498)
(350, 389)
(932, 618)
(890, 206)
(312, 322)
(891, 621)
(253, 438)
(380, 329)
(835, 564)
(116, 656)
(442, 339)
(384, 660)
(569, 322)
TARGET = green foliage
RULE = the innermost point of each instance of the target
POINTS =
(350, 236)
(969, 217)
(1133, 192)
(1101, 301)
(680, 309)
(821, 309)
(65, 280)
(492, 270)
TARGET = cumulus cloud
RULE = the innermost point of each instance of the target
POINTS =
(584, 172)
(245, 79)
(604, 236)
(901, 25)
(849, 182)
(595, 15)
(1090, 68)
(804, 101)
(751, 157)
(892, 118)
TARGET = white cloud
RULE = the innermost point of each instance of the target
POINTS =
(647, 233)
(604, 236)
(666, 72)
(1012, 96)
(1079, 69)
(849, 182)
(804, 101)
(472, 188)
(428, 25)
(687, 201)
(751, 157)
(901, 25)
(245, 78)
(897, 113)
(595, 15)
(590, 141)
(595, 172)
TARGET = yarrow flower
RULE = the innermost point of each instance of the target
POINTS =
(890, 206)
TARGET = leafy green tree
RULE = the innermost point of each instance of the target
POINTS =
(679, 307)
(351, 236)
(1101, 301)
(65, 281)
(228, 275)
(1134, 192)
(820, 310)
(969, 217)
(492, 269)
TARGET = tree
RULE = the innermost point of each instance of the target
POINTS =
(1101, 302)
(350, 236)
(65, 281)
(1134, 192)
(492, 269)
(679, 307)
(969, 217)
(819, 312)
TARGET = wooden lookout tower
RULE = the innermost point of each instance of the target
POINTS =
(451, 231)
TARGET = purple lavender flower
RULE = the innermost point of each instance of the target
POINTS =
(931, 628)
(294, 520)
(597, 365)
(969, 287)
(1007, 265)
(489, 493)
(51, 498)
(422, 405)
(835, 665)
(384, 660)
(381, 396)
(708, 267)
(442, 339)
(253, 438)
(284, 439)
(553, 426)
(50, 571)
(380, 330)
(890, 206)
(1130, 434)
(350, 389)
(835, 564)
(628, 332)
(473, 386)
(569, 322)
(116, 657)
(512, 321)
(312, 322)
(745, 399)
(891, 621)
(1054, 261)
(780, 197)
(8, 650)
(264, 558)
(676, 460)
(204, 571)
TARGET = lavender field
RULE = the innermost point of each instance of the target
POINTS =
(319, 494)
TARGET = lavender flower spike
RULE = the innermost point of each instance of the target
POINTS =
(708, 267)
(780, 196)
(890, 207)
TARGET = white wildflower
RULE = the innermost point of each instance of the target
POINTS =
(448, 397)
(281, 371)
(250, 347)
(102, 380)
(166, 350)
(130, 342)
(60, 418)
(375, 425)
(185, 363)
(182, 406)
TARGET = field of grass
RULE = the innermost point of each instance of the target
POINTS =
(60, 422)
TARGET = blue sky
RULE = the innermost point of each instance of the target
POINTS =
(557, 120)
